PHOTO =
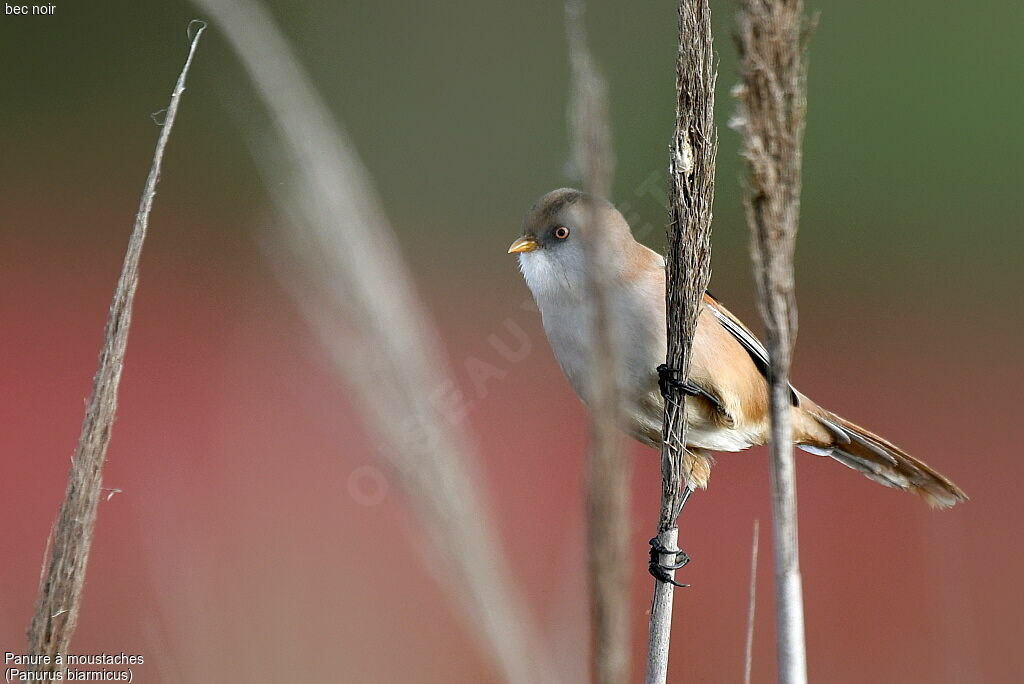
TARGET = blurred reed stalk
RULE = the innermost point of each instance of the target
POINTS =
(772, 37)
(688, 270)
(609, 469)
(338, 258)
(748, 651)
(61, 582)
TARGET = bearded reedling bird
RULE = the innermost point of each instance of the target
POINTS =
(729, 407)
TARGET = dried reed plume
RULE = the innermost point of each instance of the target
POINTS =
(61, 581)
(609, 469)
(688, 270)
(338, 258)
(772, 104)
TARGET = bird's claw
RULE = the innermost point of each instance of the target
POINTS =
(659, 570)
(658, 549)
(667, 380)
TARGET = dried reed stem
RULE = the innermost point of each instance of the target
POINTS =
(60, 588)
(772, 100)
(339, 260)
(688, 264)
(609, 469)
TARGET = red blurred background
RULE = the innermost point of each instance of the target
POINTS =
(246, 539)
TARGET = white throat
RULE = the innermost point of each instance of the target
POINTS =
(552, 279)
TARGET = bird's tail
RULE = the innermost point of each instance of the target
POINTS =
(881, 460)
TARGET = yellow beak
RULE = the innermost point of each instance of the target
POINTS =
(523, 244)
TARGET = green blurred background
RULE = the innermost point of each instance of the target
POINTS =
(237, 550)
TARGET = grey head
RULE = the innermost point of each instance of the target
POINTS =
(551, 246)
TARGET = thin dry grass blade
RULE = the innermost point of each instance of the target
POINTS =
(748, 651)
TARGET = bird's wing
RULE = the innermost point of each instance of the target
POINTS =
(743, 335)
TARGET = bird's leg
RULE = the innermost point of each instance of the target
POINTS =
(659, 570)
(667, 381)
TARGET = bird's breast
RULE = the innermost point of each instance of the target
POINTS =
(567, 327)
(636, 333)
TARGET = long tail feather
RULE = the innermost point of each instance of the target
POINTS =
(882, 461)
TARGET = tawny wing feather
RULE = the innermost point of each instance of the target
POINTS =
(743, 335)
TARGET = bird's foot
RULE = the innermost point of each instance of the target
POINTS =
(667, 381)
(659, 570)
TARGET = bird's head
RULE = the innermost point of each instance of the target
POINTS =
(554, 238)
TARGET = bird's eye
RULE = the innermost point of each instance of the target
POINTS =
(561, 232)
